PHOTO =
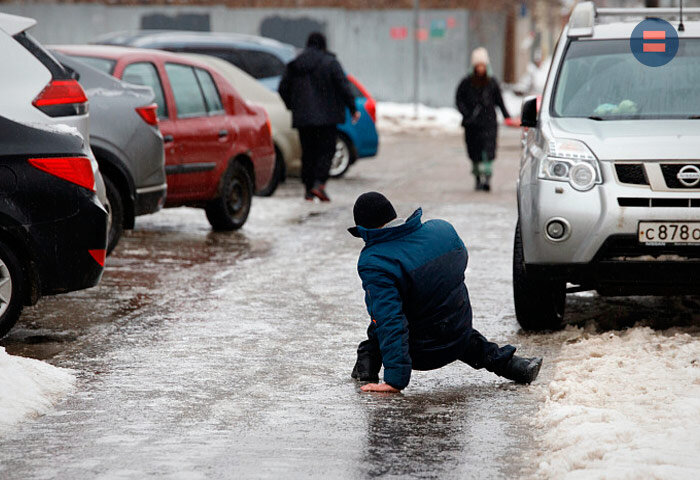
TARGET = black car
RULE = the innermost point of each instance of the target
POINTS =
(53, 228)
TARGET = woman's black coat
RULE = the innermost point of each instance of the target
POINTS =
(477, 101)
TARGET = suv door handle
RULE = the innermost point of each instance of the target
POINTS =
(223, 133)
(168, 139)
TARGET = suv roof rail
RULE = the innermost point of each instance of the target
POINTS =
(582, 19)
(645, 12)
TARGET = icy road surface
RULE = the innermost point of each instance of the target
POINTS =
(205, 355)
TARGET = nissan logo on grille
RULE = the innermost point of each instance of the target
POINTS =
(689, 175)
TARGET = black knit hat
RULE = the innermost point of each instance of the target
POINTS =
(317, 40)
(372, 210)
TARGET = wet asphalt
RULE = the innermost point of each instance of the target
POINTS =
(207, 355)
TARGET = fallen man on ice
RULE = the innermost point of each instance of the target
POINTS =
(421, 319)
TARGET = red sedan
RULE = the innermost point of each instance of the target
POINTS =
(218, 148)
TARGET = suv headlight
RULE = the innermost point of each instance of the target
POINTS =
(570, 161)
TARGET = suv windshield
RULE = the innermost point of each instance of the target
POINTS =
(602, 79)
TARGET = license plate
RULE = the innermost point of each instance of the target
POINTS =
(662, 233)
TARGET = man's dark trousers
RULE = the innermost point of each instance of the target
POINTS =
(318, 149)
(478, 353)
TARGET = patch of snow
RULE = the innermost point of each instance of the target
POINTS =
(399, 117)
(29, 387)
(533, 80)
(622, 405)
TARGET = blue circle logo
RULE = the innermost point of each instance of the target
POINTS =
(654, 42)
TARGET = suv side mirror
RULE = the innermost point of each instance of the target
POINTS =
(528, 114)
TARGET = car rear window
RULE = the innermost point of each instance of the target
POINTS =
(145, 73)
(188, 95)
(602, 79)
(211, 93)
(231, 55)
(262, 64)
(104, 65)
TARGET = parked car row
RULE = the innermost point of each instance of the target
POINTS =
(53, 206)
(205, 129)
(265, 59)
(218, 147)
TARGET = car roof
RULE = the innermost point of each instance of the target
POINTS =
(145, 38)
(113, 52)
(14, 24)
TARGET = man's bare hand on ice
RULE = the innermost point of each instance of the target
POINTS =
(379, 387)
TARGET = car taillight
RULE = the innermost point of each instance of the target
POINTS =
(99, 255)
(371, 107)
(61, 98)
(76, 170)
(149, 113)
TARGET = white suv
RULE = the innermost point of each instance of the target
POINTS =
(37, 89)
(609, 185)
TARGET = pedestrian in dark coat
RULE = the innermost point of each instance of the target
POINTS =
(421, 318)
(477, 97)
(315, 88)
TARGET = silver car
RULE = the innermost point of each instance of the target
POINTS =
(609, 184)
(127, 143)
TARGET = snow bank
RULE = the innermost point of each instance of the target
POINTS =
(29, 387)
(622, 405)
(398, 117)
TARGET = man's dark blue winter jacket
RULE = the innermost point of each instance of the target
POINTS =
(413, 277)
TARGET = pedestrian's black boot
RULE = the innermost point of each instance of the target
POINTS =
(479, 183)
(486, 185)
(319, 191)
(522, 370)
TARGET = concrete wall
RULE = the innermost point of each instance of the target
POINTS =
(362, 39)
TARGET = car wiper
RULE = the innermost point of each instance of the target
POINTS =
(694, 117)
(595, 117)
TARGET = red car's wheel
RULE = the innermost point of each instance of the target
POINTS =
(230, 209)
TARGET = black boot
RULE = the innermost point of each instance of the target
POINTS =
(522, 370)
(479, 183)
(485, 185)
(319, 191)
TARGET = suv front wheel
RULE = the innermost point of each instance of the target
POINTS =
(539, 303)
